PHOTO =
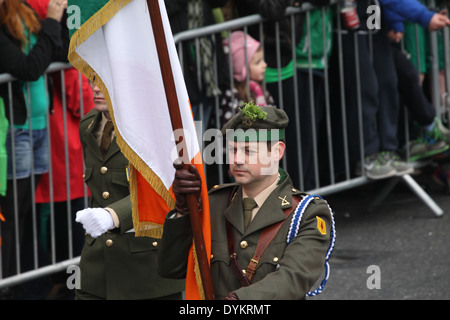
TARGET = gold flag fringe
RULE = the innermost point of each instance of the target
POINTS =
(101, 17)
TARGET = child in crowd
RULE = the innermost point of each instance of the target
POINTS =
(239, 45)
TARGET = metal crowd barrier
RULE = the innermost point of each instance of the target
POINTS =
(216, 174)
(52, 265)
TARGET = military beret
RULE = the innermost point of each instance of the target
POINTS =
(255, 123)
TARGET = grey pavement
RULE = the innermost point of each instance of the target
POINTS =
(405, 241)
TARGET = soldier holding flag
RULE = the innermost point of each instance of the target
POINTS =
(250, 256)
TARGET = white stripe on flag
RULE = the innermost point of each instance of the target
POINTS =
(123, 54)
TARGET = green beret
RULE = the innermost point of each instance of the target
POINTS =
(255, 123)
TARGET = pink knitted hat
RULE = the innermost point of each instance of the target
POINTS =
(238, 43)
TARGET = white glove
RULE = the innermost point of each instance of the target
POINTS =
(96, 221)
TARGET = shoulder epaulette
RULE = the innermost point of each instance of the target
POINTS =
(222, 187)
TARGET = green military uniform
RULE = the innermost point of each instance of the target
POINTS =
(283, 271)
(116, 265)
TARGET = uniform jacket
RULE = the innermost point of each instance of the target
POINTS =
(116, 265)
(283, 272)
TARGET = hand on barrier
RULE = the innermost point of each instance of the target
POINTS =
(439, 21)
(96, 221)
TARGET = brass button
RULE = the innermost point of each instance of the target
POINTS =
(103, 170)
(109, 243)
(244, 271)
(212, 256)
(275, 259)
(244, 244)
(84, 176)
(155, 243)
(105, 195)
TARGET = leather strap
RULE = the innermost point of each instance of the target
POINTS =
(265, 238)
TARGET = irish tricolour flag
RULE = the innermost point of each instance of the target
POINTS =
(115, 42)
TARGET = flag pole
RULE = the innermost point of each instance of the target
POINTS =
(175, 116)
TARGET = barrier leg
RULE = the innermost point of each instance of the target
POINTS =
(414, 186)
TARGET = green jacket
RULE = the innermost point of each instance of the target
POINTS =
(283, 272)
(116, 265)
(319, 52)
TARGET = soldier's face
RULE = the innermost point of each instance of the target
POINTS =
(252, 162)
(99, 100)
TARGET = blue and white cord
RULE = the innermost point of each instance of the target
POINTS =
(293, 230)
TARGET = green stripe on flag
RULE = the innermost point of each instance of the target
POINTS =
(83, 10)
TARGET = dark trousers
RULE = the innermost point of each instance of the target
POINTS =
(411, 91)
(379, 94)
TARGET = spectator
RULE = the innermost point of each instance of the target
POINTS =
(75, 107)
(244, 50)
(26, 50)
(432, 136)
(379, 91)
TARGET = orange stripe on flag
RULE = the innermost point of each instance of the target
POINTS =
(150, 202)
(149, 208)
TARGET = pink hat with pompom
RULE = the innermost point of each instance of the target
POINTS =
(238, 42)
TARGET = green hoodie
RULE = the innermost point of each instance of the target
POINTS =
(318, 51)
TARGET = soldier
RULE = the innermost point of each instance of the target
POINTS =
(115, 264)
(280, 269)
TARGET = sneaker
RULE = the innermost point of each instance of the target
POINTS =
(421, 149)
(430, 143)
(377, 167)
(442, 131)
(401, 167)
